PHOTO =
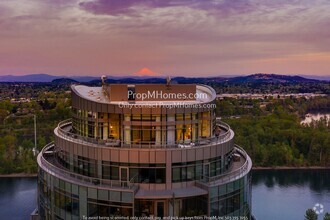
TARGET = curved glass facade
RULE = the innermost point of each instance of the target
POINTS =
(60, 199)
(108, 162)
(232, 199)
(145, 129)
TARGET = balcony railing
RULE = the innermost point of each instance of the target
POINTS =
(67, 134)
(57, 171)
(233, 173)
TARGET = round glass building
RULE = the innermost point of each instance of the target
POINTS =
(145, 150)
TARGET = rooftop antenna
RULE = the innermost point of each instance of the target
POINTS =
(104, 79)
(168, 80)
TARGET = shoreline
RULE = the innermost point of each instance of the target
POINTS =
(291, 168)
(19, 175)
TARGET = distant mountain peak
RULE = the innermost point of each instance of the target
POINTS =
(146, 72)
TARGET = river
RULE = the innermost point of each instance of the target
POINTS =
(277, 195)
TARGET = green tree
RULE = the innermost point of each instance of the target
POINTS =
(41, 142)
(310, 215)
(326, 216)
(27, 144)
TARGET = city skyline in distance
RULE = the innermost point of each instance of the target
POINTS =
(172, 38)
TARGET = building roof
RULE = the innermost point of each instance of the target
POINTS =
(204, 94)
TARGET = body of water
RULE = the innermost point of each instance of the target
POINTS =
(287, 194)
(277, 194)
(18, 197)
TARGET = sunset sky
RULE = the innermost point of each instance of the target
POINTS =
(170, 37)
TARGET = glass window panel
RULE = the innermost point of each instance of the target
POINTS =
(55, 181)
(199, 171)
(179, 133)
(152, 175)
(230, 187)
(146, 117)
(133, 173)
(114, 173)
(144, 175)
(218, 167)
(92, 193)
(160, 175)
(183, 173)
(214, 209)
(102, 194)
(127, 197)
(104, 211)
(176, 175)
(115, 196)
(75, 189)
(187, 116)
(92, 209)
(191, 173)
(213, 169)
(75, 207)
(214, 191)
(136, 117)
(68, 203)
(222, 190)
(68, 187)
(105, 171)
(114, 126)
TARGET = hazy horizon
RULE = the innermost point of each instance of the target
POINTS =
(316, 76)
(164, 76)
(175, 37)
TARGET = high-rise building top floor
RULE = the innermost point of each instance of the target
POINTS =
(143, 150)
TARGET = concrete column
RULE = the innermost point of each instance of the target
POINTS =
(82, 202)
(171, 207)
(99, 168)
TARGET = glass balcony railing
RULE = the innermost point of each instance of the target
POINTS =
(64, 130)
(239, 168)
(46, 160)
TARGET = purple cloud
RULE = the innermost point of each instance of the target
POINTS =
(116, 7)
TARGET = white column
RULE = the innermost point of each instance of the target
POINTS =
(158, 132)
(170, 130)
(193, 125)
(105, 126)
(127, 130)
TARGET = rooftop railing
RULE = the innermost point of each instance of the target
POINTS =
(234, 171)
(49, 151)
(67, 134)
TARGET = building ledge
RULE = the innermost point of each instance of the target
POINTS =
(238, 169)
(46, 162)
(64, 130)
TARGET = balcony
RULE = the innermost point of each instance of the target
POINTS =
(46, 160)
(240, 166)
(64, 130)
